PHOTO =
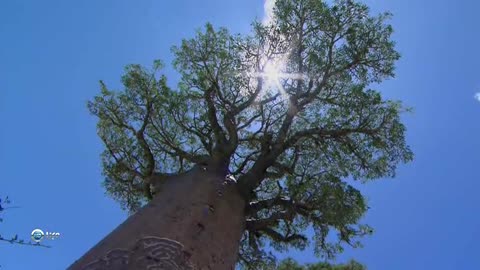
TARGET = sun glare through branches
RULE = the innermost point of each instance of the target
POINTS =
(273, 77)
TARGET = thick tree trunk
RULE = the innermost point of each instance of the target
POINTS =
(194, 222)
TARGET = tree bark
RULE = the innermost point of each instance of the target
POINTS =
(195, 221)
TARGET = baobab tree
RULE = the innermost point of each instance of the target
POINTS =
(258, 143)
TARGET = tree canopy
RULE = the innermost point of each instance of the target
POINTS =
(290, 264)
(289, 111)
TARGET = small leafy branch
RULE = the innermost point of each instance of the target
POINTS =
(14, 239)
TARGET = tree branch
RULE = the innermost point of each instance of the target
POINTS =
(20, 242)
(212, 116)
(335, 133)
(283, 238)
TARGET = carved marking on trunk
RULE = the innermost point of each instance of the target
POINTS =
(149, 253)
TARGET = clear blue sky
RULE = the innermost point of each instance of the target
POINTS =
(53, 52)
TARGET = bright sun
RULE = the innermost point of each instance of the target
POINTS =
(273, 77)
(272, 71)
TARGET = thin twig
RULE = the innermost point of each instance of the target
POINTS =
(19, 242)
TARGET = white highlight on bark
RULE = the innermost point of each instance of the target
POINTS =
(231, 178)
